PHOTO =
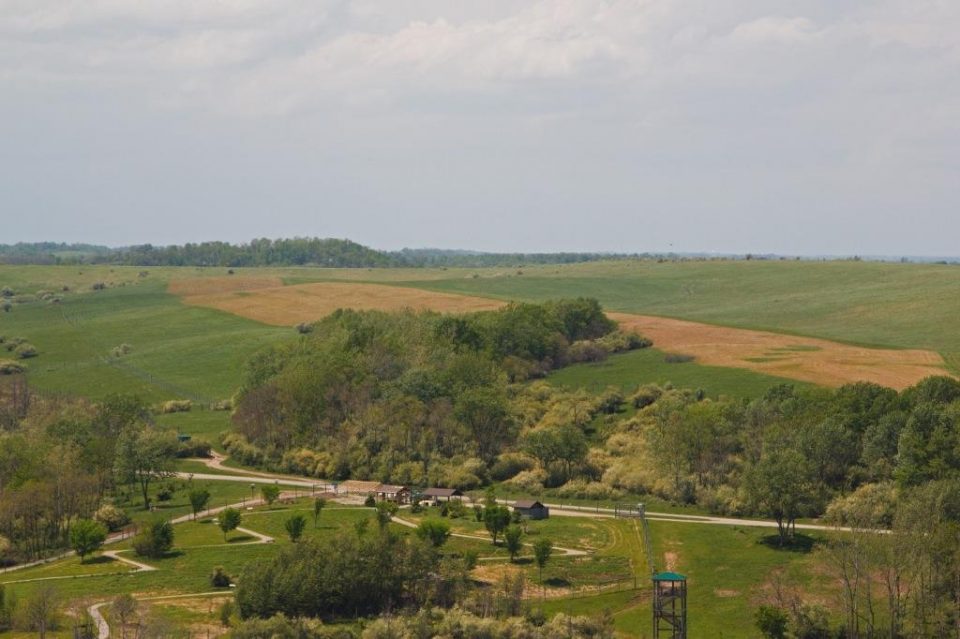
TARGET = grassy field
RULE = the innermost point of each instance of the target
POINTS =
(627, 371)
(178, 351)
(894, 305)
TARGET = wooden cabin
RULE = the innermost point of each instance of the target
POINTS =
(531, 509)
(396, 494)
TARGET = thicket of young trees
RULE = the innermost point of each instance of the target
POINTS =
(408, 397)
(63, 461)
(374, 571)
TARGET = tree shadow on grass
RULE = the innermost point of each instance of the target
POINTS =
(99, 559)
(799, 543)
(239, 539)
(557, 582)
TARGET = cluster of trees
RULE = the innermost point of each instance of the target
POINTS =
(408, 397)
(63, 463)
(372, 570)
(358, 573)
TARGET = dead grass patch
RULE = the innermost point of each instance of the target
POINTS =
(291, 305)
(803, 358)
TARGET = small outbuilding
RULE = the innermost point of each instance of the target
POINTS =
(531, 509)
(389, 492)
(436, 495)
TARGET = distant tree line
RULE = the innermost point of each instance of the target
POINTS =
(338, 253)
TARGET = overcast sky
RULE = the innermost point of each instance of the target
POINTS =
(823, 126)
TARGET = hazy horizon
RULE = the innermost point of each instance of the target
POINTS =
(791, 128)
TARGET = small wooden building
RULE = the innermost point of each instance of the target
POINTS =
(389, 492)
(531, 509)
(436, 495)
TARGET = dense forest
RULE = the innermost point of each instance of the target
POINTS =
(281, 252)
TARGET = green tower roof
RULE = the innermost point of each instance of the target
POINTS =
(669, 576)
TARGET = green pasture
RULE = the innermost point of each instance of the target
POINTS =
(627, 371)
(178, 351)
(872, 303)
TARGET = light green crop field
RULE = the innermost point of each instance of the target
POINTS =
(627, 371)
(181, 351)
(177, 351)
(881, 304)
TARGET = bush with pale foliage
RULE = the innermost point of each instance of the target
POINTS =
(112, 517)
(528, 481)
(176, 406)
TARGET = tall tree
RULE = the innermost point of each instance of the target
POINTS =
(143, 455)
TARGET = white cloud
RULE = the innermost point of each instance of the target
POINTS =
(651, 101)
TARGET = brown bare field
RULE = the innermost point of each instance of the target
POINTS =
(804, 358)
(290, 305)
(807, 359)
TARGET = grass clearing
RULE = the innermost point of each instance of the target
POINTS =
(629, 370)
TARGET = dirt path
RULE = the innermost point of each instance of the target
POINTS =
(103, 630)
(117, 537)
(140, 567)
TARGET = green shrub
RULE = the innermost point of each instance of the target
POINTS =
(219, 578)
(25, 351)
(176, 406)
(771, 622)
(645, 396)
(154, 539)
(10, 367)
(120, 351)
(436, 531)
(509, 464)
(194, 448)
(370, 501)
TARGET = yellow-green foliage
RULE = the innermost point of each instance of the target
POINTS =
(175, 406)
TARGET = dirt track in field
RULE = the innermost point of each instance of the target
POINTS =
(802, 358)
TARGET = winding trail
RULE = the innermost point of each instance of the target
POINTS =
(103, 629)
